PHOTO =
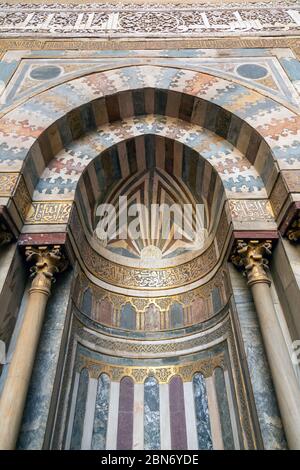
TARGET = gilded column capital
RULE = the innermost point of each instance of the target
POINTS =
(47, 261)
(293, 233)
(251, 257)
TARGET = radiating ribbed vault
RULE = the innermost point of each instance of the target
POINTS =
(168, 202)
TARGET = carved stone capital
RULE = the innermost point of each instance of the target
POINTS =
(47, 261)
(293, 233)
(251, 258)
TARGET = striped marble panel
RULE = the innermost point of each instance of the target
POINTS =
(113, 412)
(202, 413)
(224, 411)
(72, 410)
(101, 413)
(126, 411)
(177, 414)
(190, 416)
(89, 415)
(165, 426)
(214, 415)
(232, 410)
(151, 414)
(80, 410)
(138, 417)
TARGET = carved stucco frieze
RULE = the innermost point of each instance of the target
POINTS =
(151, 20)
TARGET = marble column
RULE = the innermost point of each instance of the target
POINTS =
(251, 257)
(47, 261)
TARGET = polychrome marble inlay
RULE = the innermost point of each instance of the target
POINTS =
(151, 355)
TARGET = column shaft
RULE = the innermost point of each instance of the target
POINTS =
(47, 262)
(16, 385)
(251, 256)
(284, 378)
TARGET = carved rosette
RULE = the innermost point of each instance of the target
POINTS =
(251, 258)
(293, 233)
(47, 261)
